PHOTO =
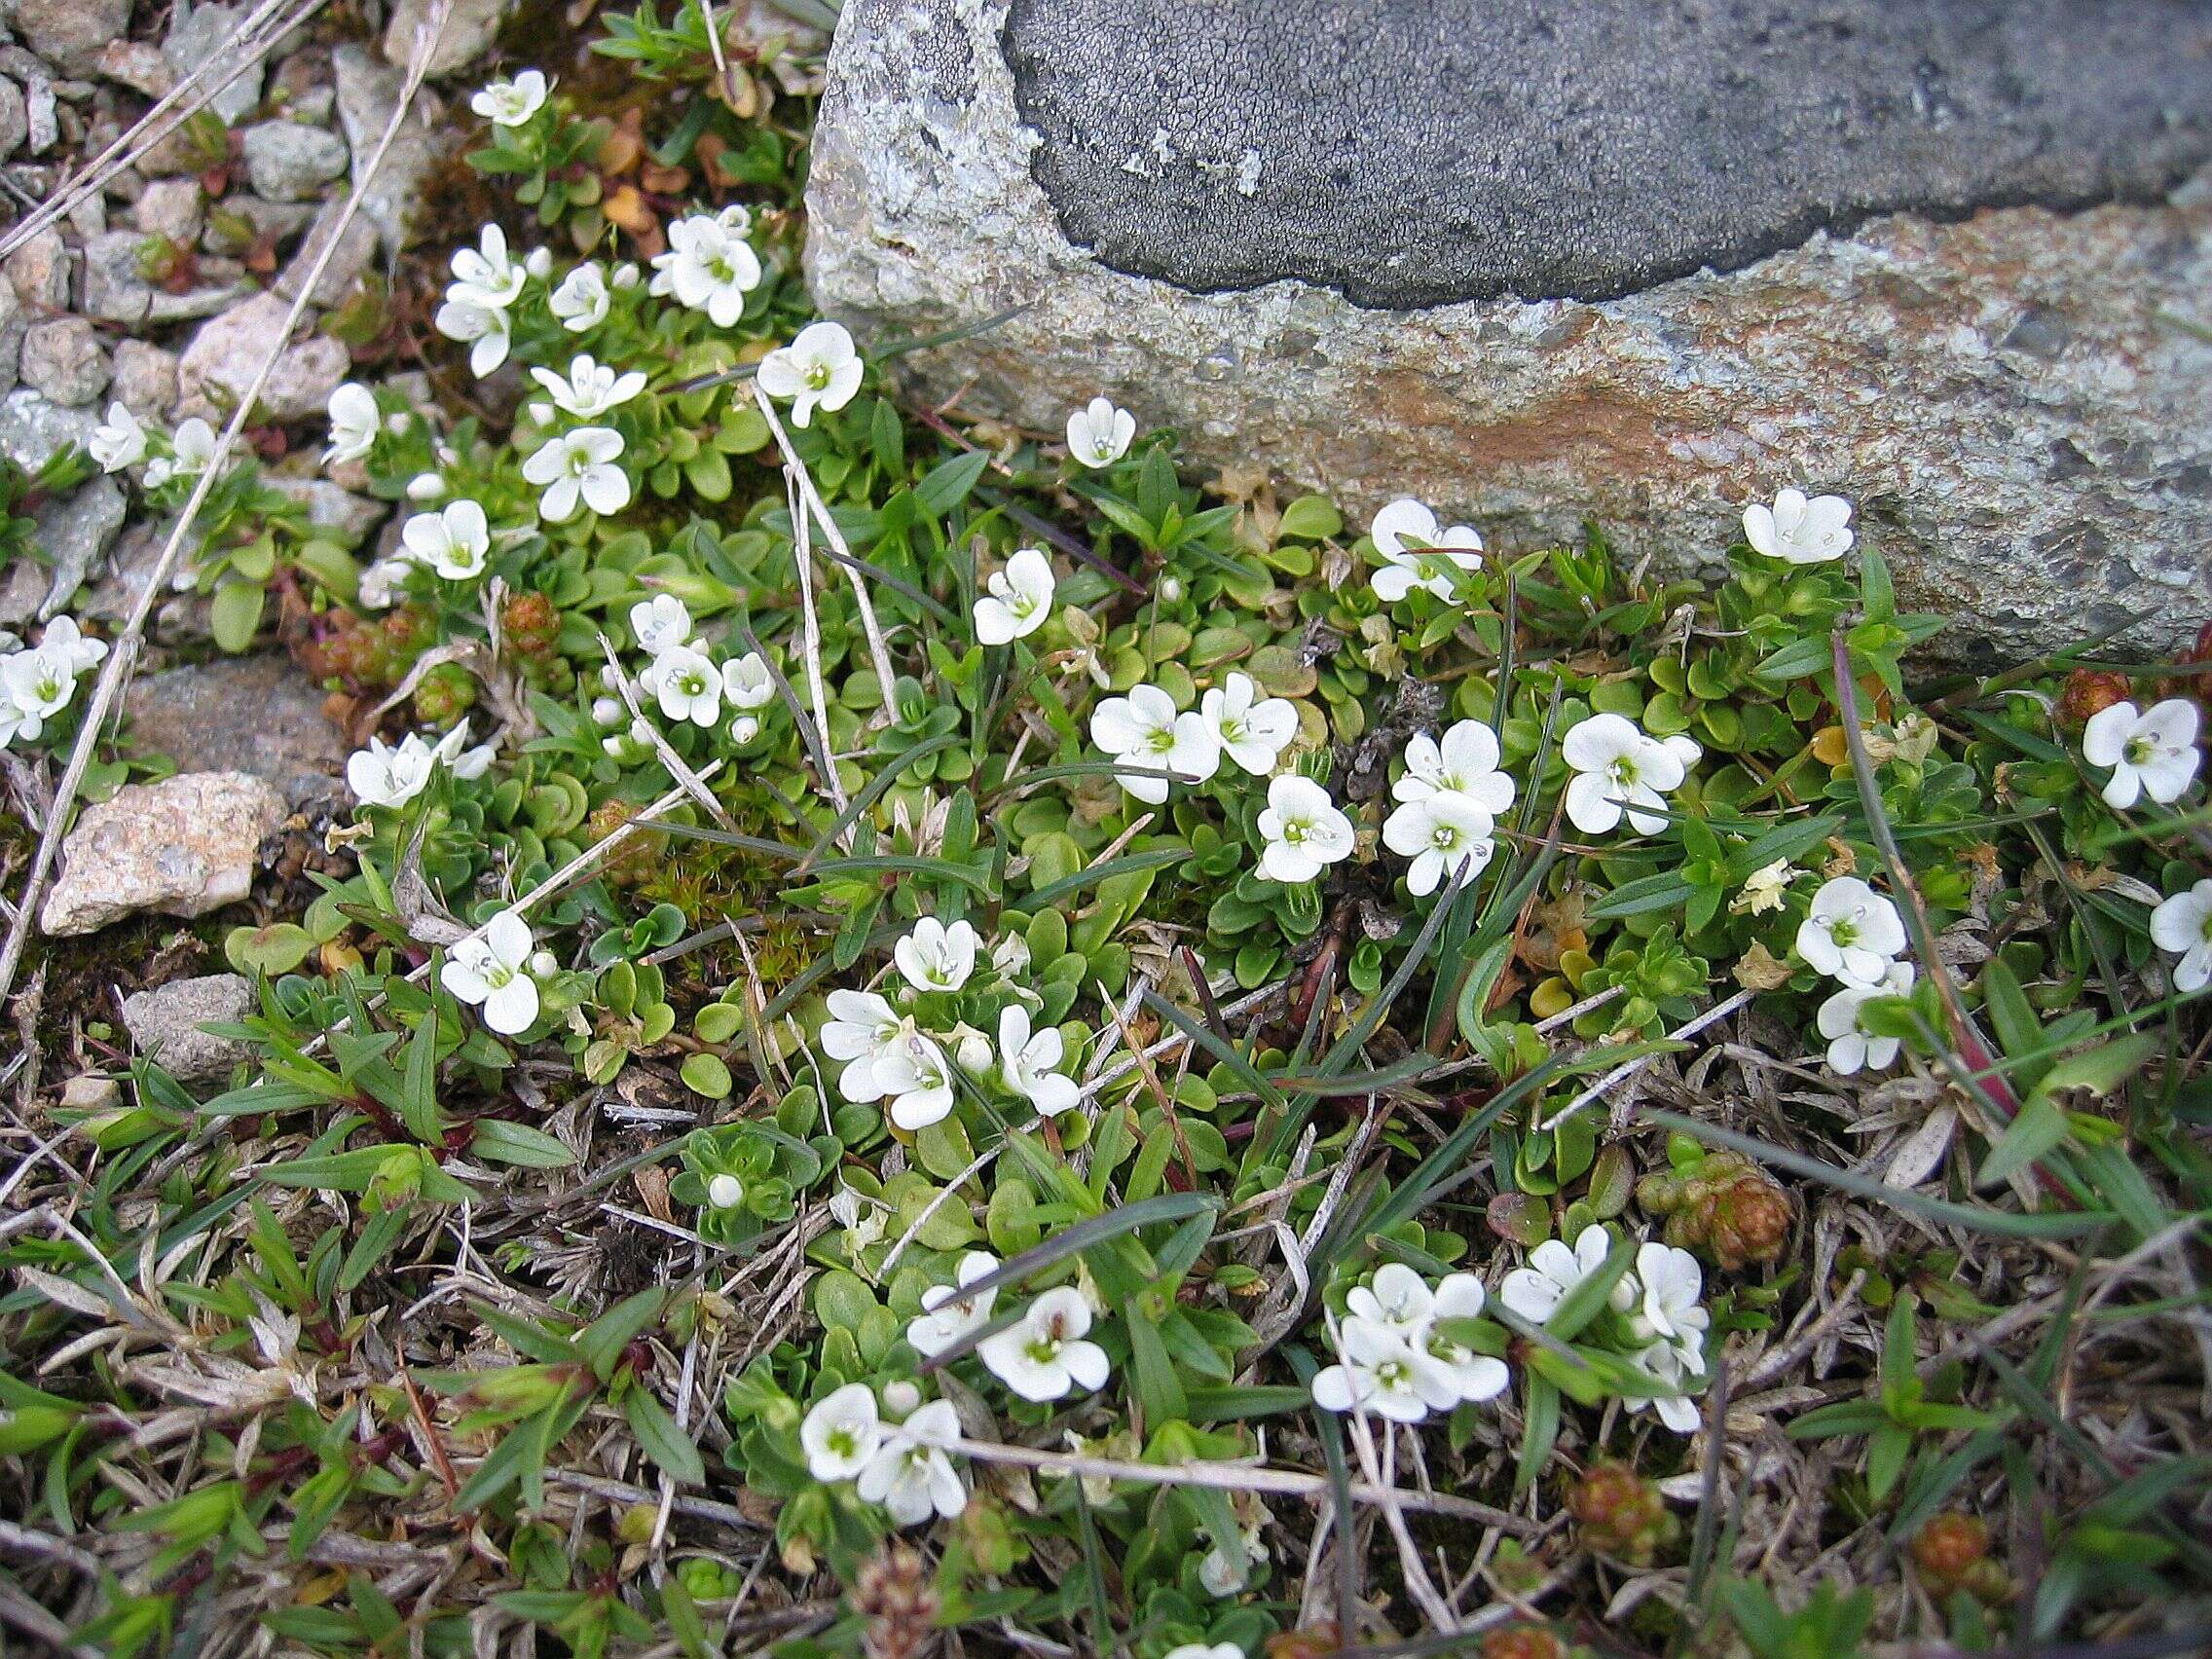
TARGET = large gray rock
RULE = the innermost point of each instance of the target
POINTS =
(470, 28)
(219, 366)
(288, 162)
(256, 713)
(1535, 261)
(183, 846)
(165, 1023)
(198, 33)
(368, 93)
(68, 33)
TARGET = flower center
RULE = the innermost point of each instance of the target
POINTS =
(818, 376)
(2138, 749)
(844, 1442)
(1160, 740)
(1296, 831)
(1444, 837)
(498, 974)
(1623, 772)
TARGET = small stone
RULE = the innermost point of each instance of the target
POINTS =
(75, 530)
(198, 33)
(368, 92)
(64, 357)
(42, 116)
(356, 245)
(33, 427)
(11, 336)
(237, 222)
(183, 846)
(15, 119)
(116, 289)
(468, 32)
(39, 272)
(256, 713)
(145, 379)
(165, 1023)
(172, 207)
(219, 368)
(139, 65)
(92, 1092)
(330, 507)
(70, 34)
(290, 162)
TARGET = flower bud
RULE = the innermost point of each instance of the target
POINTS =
(1622, 1513)
(900, 1398)
(425, 487)
(544, 962)
(607, 711)
(725, 1192)
(539, 263)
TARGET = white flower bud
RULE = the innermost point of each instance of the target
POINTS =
(607, 711)
(1170, 590)
(544, 962)
(425, 487)
(725, 1192)
(625, 276)
(900, 1398)
(539, 263)
(539, 412)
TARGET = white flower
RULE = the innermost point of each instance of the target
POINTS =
(463, 762)
(1026, 1060)
(1016, 600)
(1851, 1047)
(1441, 834)
(1398, 1299)
(1475, 1377)
(1143, 729)
(354, 422)
(1801, 531)
(485, 329)
(2150, 754)
(1535, 1291)
(1379, 1371)
(494, 969)
(2184, 924)
(689, 686)
(1043, 1355)
(380, 579)
(725, 1192)
(1674, 1366)
(707, 268)
(192, 451)
(581, 300)
(1099, 435)
(911, 1475)
(510, 103)
(861, 1029)
(65, 643)
(1672, 1284)
(1010, 954)
(119, 441)
(1464, 764)
(591, 388)
(841, 1433)
(1250, 729)
(1201, 1650)
(1303, 829)
(384, 776)
(934, 957)
(818, 369)
(1617, 766)
(487, 275)
(946, 1315)
(454, 542)
(1852, 933)
(748, 685)
(1418, 552)
(35, 686)
(1764, 889)
(579, 464)
(660, 623)
(919, 1080)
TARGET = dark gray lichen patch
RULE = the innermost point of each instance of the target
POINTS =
(1412, 152)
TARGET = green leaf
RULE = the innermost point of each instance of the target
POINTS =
(497, 1141)
(2038, 1128)
(234, 616)
(947, 485)
(660, 1438)
(600, 1344)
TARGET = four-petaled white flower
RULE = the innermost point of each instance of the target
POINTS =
(1851, 1047)
(919, 1080)
(1143, 729)
(1670, 1306)
(1418, 551)
(1099, 435)
(1535, 1291)
(383, 775)
(725, 1190)
(819, 369)
(1672, 1366)
(1250, 729)
(492, 969)
(1852, 933)
(66, 642)
(581, 300)
(511, 104)
(591, 388)
(862, 1031)
(841, 1433)
(934, 957)
(689, 686)
(580, 466)
(191, 451)
(1302, 830)
(1016, 600)
(1464, 764)
(2183, 923)
(660, 623)
(1026, 1060)
(1398, 1299)
(2150, 753)
(911, 1475)
(1380, 1369)
(1798, 530)
(35, 686)
(119, 441)
(486, 274)
(708, 267)
(1041, 1355)
(485, 329)
(354, 424)
(1617, 769)
(947, 1313)
(1442, 833)
(748, 685)
(454, 542)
